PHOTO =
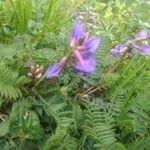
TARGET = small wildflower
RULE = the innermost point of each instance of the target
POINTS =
(119, 50)
(145, 50)
(36, 72)
(77, 33)
(130, 46)
(91, 44)
(54, 70)
(142, 35)
(82, 48)
(85, 62)
(86, 66)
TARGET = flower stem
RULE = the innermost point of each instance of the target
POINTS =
(42, 78)
(113, 69)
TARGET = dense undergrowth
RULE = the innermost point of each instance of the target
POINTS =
(109, 110)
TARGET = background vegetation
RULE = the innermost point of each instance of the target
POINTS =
(108, 111)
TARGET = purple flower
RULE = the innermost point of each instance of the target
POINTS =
(78, 56)
(130, 43)
(83, 49)
(119, 50)
(145, 50)
(86, 66)
(85, 61)
(91, 44)
(142, 35)
(115, 52)
(77, 33)
(54, 70)
(130, 46)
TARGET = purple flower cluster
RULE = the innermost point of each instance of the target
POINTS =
(131, 45)
(82, 48)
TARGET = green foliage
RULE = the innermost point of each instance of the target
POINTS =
(24, 122)
(109, 110)
(55, 140)
(4, 127)
(140, 115)
(99, 126)
(10, 83)
(22, 13)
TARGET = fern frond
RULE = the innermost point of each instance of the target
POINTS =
(6, 52)
(58, 112)
(99, 126)
(10, 83)
(142, 143)
(60, 140)
(140, 115)
(55, 139)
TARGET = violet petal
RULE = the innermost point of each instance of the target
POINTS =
(115, 52)
(145, 50)
(53, 71)
(119, 50)
(77, 32)
(91, 44)
(87, 67)
(142, 35)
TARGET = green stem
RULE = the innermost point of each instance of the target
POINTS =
(116, 65)
(42, 78)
